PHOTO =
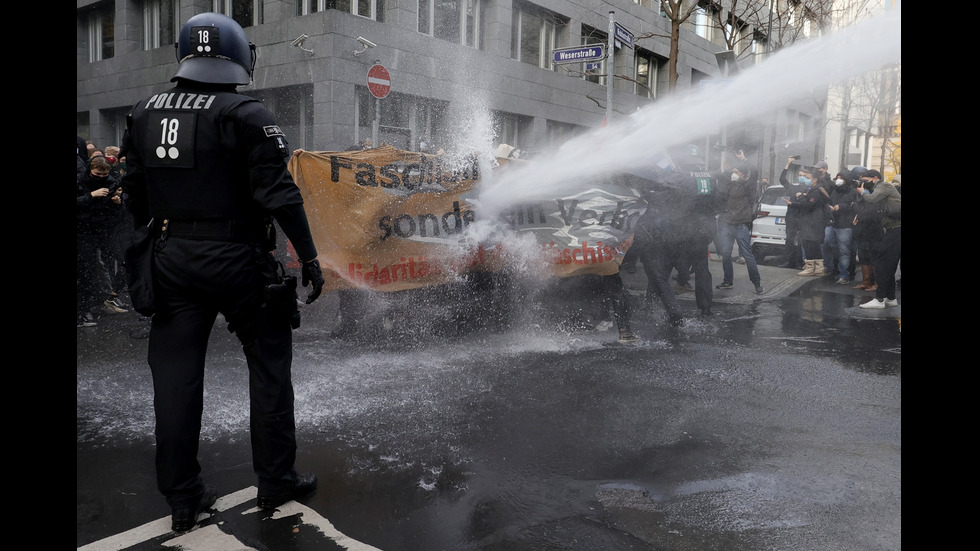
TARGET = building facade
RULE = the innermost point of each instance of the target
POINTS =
(864, 113)
(445, 57)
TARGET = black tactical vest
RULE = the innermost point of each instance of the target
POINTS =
(195, 168)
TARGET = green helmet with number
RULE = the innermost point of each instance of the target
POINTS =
(213, 48)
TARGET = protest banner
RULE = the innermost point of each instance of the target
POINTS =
(386, 219)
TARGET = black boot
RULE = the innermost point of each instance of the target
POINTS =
(305, 486)
(184, 517)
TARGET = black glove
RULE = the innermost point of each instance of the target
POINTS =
(312, 274)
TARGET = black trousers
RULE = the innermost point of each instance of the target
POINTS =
(615, 298)
(886, 261)
(792, 253)
(660, 257)
(194, 281)
(91, 276)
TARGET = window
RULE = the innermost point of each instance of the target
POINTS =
(594, 36)
(646, 75)
(758, 51)
(101, 32)
(697, 77)
(651, 74)
(405, 120)
(371, 9)
(561, 132)
(430, 123)
(702, 23)
(306, 7)
(292, 107)
(458, 21)
(511, 129)
(82, 127)
(797, 125)
(113, 124)
(773, 196)
(159, 23)
(805, 127)
(246, 12)
(533, 36)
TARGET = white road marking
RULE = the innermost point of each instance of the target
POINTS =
(211, 538)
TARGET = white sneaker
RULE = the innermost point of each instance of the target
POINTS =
(874, 303)
(85, 322)
(891, 302)
(111, 308)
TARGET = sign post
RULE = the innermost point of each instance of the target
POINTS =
(379, 83)
(611, 67)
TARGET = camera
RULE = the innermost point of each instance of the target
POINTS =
(366, 42)
(795, 157)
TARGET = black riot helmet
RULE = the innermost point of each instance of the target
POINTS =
(213, 48)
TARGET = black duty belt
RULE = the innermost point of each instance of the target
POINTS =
(236, 231)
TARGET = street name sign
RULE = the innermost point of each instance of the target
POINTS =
(623, 37)
(589, 52)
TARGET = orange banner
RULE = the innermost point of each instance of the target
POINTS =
(390, 220)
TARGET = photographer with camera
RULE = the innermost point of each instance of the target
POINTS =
(887, 202)
(208, 188)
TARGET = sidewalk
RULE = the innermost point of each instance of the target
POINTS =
(777, 282)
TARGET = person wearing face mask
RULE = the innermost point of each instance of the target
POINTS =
(99, 207)
(838, 234)
(112, 155)
(793, 252)
(888, 203)
(822, 174)
(815, 214)
(735, 224)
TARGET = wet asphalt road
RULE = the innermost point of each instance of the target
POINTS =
(774, 424)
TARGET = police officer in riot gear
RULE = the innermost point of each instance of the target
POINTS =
(677, 228)
(207, 173)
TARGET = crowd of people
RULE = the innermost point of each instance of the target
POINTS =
(102, 227)
(834, 226)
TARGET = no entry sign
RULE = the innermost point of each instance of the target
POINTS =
(379, 81)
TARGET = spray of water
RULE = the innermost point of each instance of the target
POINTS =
(346, 390)
(789, 76)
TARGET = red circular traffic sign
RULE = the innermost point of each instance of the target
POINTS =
(379, 81)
